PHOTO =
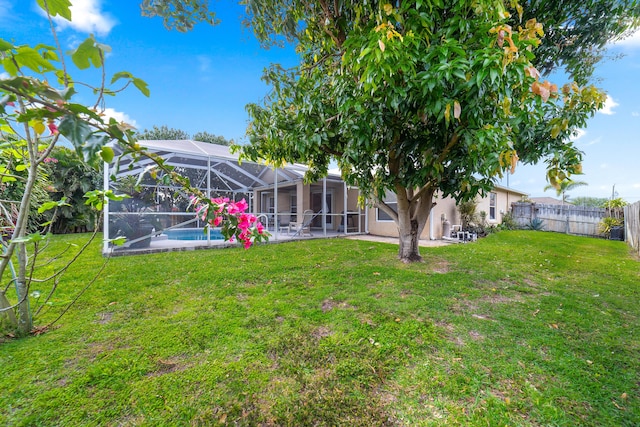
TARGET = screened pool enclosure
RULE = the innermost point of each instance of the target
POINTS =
(157, 216)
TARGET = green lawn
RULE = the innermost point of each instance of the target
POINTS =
(519, 329)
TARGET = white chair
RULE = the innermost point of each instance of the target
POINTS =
(304, 227)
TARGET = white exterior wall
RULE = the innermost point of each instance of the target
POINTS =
(446, 209)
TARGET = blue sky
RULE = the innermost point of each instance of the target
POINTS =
(202, 80)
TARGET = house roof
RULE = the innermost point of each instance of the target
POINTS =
(227, 172)
(510, 190)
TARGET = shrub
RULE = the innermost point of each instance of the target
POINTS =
(536, 224)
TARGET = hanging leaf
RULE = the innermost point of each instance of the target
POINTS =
(60, 8)
(87, 53)
(381, 44)
(456, 110)
(107, 154)
(38, 126)
(74, 129)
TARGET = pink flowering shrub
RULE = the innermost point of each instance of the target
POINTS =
(231, 216)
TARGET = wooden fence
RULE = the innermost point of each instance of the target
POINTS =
(578, 220)
(632, 225)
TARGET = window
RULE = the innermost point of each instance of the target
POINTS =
(392, 201)
(493, 198)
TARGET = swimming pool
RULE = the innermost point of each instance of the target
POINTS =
(193, 234)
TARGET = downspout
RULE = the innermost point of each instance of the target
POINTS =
(275, 206)
(366, 217)
(209, 194)
(345, 210)
(105, 210)
(431, 225)
(324, 206)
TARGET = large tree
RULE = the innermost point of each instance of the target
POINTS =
(421, 99)
(414, 97)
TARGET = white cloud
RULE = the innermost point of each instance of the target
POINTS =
(632, 41)
(608, 107)
(635, 114)
(87, 17)
(604, 166)
(4, 75)
(119, 116)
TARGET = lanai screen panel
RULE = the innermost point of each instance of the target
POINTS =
(153, 206)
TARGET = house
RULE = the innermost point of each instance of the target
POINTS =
(278, 196)
(495, 204)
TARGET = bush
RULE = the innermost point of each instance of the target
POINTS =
(535, 224)
(608, 223)
(508, 222)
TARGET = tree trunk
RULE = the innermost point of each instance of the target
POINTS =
(25, 321)
(412, 218)
(409, 238)
(6, 312)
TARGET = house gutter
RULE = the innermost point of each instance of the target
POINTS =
(431, 237)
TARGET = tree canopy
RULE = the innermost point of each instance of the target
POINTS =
(419, 99)
(211, 138)
(166, 133)
(163, 133)
(416, 97)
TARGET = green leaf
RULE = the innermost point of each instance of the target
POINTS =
(52, 205)
(57, 8)
(142, 86)
(97, 198)
(121, 75)
(88, 52)
(5, 45)
(107, 154)
(75, 130)
(493, 74)
(31, 238)
(118, 241)
(26, 56)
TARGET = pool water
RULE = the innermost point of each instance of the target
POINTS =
(193, 234)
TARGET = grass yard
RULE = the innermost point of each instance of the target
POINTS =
(519, 329)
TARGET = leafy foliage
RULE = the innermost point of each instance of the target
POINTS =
(12, 158)
(536, 224)
(564, 186)
(468, 214)
(615, 216)
(170, 134)
(576, 33)
(163, 133)
(34, 114)
(181, 15)
(414, 98)
(592, 202)
(71, 179)
(508, 222)
(211, 138)
(607, 223)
